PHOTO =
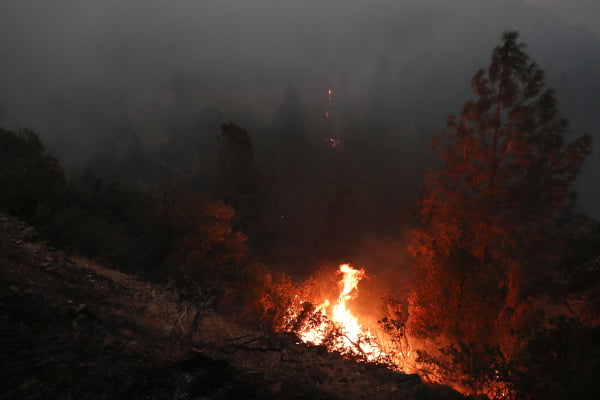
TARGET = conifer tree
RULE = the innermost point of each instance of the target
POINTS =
(32, 182)
(505, 183)
(237, 182)
(290, 120)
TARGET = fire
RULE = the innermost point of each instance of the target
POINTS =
(329, 103)
(337, 327)
(335, 143)
(334, 140)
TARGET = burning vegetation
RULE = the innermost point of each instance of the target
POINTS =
(501, 299)
(334, 325)
(492, 221)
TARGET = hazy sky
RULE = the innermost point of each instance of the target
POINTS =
(584, 12)
(67, 64)
(88, 39)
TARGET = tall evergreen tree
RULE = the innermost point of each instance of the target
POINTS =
(32, 182)
(339, 233)
(290, 119)
(506, 182)
(236, 183)
(290, 127)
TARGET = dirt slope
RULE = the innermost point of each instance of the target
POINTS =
(70, 329)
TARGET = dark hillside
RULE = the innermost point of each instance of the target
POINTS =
(74, 330)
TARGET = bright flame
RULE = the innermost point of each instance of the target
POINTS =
(350, 337)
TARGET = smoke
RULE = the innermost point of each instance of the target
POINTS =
(579, 12)
(79, 72)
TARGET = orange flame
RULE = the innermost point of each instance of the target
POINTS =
(329, 103)
(349, 336)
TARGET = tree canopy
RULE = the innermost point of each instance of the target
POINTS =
(32, 181)
(505, 183)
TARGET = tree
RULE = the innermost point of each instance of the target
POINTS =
(200, 238)
(506, 183)
(338, 237)
(236, 183)
(135, 165)
(290, 120)
(32, 182)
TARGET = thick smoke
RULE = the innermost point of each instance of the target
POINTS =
(81, 72)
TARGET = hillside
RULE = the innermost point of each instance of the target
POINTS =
(71, 329)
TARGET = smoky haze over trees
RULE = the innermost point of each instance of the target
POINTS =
(138, 91)
(233, 148)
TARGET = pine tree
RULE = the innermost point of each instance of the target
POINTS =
(290, 127)
(32, 182)
(338, 238)
(237, 182)
(290, 119)
(506, 182)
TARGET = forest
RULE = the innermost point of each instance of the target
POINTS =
(496, 291)
(419, 193)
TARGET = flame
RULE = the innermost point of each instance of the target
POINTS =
(329, 103)
(348, 337)
(336, 327)
(334, 143)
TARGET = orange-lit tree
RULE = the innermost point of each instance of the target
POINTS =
(505, 184)
(203, 244)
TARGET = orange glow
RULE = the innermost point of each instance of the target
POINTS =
(334, 143)
(337, 327)
(329, 103)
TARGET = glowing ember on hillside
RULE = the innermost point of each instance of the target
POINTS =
(336, 326)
